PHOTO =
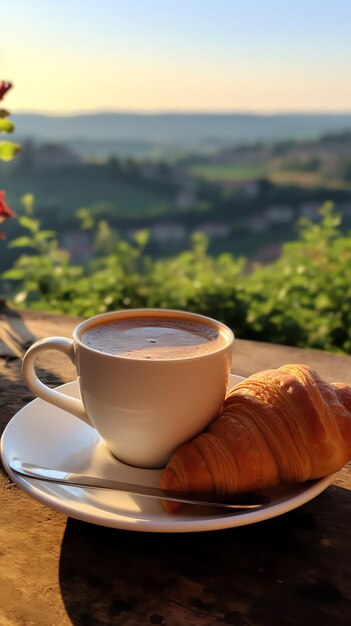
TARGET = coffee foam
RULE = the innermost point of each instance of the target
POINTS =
(153, 338)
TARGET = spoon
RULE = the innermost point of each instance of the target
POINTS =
(238, 501)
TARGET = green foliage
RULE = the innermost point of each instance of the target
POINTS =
(195, 281)
(231, 172)
(8, 150)
(302, 299)
(28, 203)
(46, 275)
(345, 168)
(6, 126)
(307, 164)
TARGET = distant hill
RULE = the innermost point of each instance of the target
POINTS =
(163, 135)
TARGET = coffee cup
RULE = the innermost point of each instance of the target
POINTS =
(149, 379)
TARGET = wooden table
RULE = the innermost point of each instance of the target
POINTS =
(294, 569)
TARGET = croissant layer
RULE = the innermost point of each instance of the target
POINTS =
(286, 425)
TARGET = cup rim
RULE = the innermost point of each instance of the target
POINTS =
(150, 312)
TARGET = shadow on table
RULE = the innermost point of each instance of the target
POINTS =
(14, 393)
(293, 569)
(15, 333)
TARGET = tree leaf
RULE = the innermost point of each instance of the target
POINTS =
(21, 242)
(4, 113)
(28, 202)
(6, 126)
(8, 150)
(42, 235)
(141, 237)
(13, 274)
(28, 222)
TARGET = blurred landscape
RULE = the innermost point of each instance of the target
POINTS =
(171, 135)
(181, 156)
(241, 180)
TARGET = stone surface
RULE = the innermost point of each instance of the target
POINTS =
(294, 569)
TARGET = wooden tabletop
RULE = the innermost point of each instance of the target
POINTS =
(293, 569)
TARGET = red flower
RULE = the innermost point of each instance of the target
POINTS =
(5, 85)
(5, 212)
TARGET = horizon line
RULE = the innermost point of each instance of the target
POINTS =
(163, 112)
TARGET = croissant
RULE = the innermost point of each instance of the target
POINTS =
(284, 425)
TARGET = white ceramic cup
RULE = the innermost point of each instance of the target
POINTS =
(143, 409)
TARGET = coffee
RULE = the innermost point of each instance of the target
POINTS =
(142, 409)
(154, 338)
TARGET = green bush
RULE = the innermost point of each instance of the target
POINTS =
(302, 299)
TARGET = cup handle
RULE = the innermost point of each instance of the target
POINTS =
(62, 344)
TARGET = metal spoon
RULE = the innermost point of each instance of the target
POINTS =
(239, 501)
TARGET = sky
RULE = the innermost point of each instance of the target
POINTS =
(263, 56)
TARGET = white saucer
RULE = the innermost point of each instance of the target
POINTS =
(44, 435)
